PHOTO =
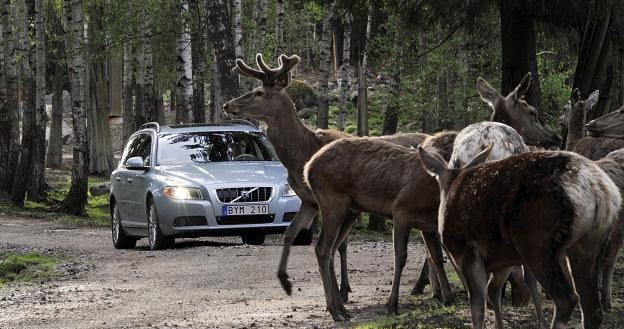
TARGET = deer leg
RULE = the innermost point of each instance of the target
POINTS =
(303, 219)
(530, 281)
(613, 247)
(494, 289)
(345, 229)
(400, 236)
(434, 248)
(584, 266)
(333, 215)
(473, 270)
(423, 279)
(345, 287)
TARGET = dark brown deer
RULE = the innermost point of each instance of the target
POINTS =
(610, 125)
(295, 143)
(371, 175)
(500, 214)
(514, 111)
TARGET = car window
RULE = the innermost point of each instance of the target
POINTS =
(204, 147)
(140, 146)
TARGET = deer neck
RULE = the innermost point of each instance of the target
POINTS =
(293, 141)
(576, 127)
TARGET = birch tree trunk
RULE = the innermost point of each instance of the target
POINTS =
(184, 74)
(362, 108)
(279, 27)
(25, 165)
(238, 29)
(149, 97)
(344, 73)
(101, 160)
(55, 141)
(76, 199)
(9, 134)
(225, 84)
(262, 25)
(139, 105)
(128, 93)
(37, 186)
(322, 120)
(199, 60)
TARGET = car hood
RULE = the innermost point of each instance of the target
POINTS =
(225, 172)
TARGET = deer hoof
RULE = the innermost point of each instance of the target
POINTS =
(344, 294)
(283, 278)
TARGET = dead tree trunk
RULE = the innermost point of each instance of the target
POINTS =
(9, 134)
(55, 141)
(76, 200)
(322, 120)
(344, 73)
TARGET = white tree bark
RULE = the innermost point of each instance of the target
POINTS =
(279, 27)
(184, 73)
(238, 29)
(344, 73)
(76, 199)
(324, 66)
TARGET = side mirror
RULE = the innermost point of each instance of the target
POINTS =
(136, 163)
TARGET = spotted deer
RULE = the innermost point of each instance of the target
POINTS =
(498, 214)
(294, 144)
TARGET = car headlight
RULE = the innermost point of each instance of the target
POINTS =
(182, 193)
(288, 191)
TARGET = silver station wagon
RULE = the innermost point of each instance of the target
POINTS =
(200, 180)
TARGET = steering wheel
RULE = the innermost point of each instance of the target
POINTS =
(245, 157)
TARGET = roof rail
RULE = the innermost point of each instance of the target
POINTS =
(150, 125)
(242, 122)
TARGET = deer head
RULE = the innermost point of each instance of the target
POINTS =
(610, 125)
(269, 100)
(514, 111)
(592, 100)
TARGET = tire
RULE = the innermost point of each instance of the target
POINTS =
(304, 238)
(157, 240)
(119, 237)
(253, 239)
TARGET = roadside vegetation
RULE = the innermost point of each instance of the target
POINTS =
(28, 267)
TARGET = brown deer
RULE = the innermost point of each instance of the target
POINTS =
(593, 148)
(598, 148)
(372, 175)
(500, 214)
(505, 142)
(294, 144)
(514, 111)
(609, 125)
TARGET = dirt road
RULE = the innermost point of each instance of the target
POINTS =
(210, 282)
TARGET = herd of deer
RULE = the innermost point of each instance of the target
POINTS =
(480, 193)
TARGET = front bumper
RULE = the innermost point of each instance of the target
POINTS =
(193, 218)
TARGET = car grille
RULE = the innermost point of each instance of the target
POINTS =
(244, 194)
(250, 219)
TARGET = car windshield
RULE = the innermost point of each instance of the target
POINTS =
(221, 146)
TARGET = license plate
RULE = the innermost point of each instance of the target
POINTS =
(253, 209)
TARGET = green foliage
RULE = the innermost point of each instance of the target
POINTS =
(25, 268)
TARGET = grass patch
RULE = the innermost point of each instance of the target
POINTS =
(29, 267)
(59, 181)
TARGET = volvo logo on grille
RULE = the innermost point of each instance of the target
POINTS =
(245, 195)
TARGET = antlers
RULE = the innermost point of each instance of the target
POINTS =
(269, 76)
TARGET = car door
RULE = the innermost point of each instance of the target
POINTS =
(120, 177)
(136, 183)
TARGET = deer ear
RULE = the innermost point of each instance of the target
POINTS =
(592, 100)
(487, 92)
(433, 163)
(523, 86)
(480, 158)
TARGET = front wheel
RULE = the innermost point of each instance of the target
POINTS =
(253, 239)
(157, 240)
(120, 239)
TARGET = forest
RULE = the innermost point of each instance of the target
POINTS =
(368, 68)
(79, 77)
